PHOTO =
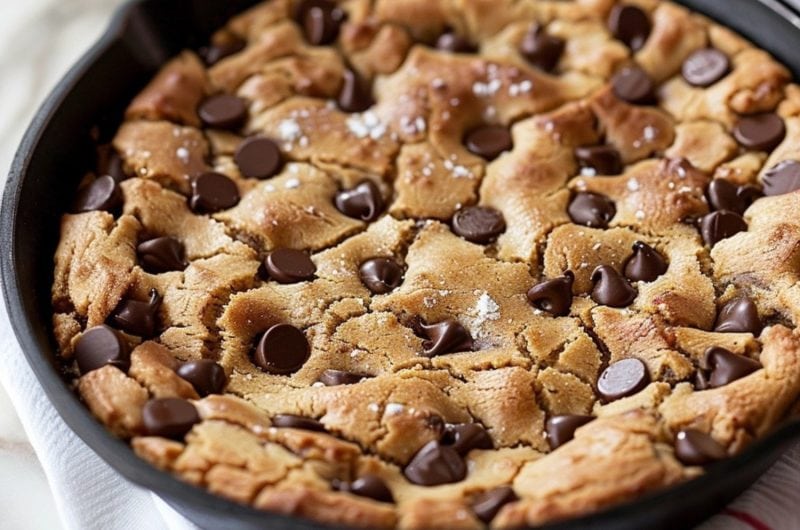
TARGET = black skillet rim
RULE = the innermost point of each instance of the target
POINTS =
(189, 498)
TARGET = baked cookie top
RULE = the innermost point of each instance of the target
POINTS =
(442, 263)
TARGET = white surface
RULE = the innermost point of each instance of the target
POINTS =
(39, 39)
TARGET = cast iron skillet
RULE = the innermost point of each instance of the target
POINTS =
(56, 150)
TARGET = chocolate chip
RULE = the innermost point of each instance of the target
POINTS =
(724, 195)
(645, 265)
(355, 95)
(611, 288)
(634, 85)
(205, 375)
(363, 202)
(541, 49)
(447, 336)
(113, 166)
(705, 67)
(464, 437)
(282, 350)
(380, 275)
(169, 417)
(136, 317)
(488, 504)
(339, 377)
(162, 254)
(601, 159)
(591, 209)
(212, 192)
(292, 421)
(561, 429)
(739, 315)
(479, 224)
(781, 178)
(321, 20)
(103, 193)
(623, 378)
(489, 141)
(370, 486)
(554, 295)
(726, 366)
(225, 47)
(760, 132)
(719, 225)
(223, 111)
(258, 158)
(454, 43)
(630, 25)
(287, 265)
(99, 346)
(696, 448)
(435, 464)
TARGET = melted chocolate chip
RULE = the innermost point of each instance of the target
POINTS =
(724, 195)
(363, 202)
(561, 429)
(554, 295)
(634, 85)
(541, 49)
(479, 224)
(489, 141)
(760, 132)
(454, 43)
(611, 288)
(781, 178)
(282, 350)
(212, 192)
(206, 376)
(705, 67)
(696, 448)
(601, 159)
(645, 265)
(444, 337)
(623, 378)
(339, 377)
(739, 315)
(727, 367)
(380, 275)
(136, 317)
(162, 254)
(719, 225)
(435, 464)
(103, 194)
(321, 20)
(488, 504)
(355, 95)
(630, 25)
(287, 265)
(292, 421)
(99, 346)
(464, 437)
(370, 486)
(258, 158)
(225, 47)
(169, 417)
(223, 111)
(591, 209)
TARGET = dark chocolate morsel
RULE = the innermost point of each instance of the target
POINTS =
(623, 378)
(611, 288)
(206, 376)
(363, 202)
(739, 315)
(489, 141)
(339, 377)
(162, 254)
(554, 295)
(292, 421)
(454, 43)
(355, 95)
(226, 46)
(380, 275)
(212, 192)
(286, 265)
(561, 429)
(705, 67)
(601, 159)
(169, 417)
(696, 448)
(634, 85)
(137, 317)
(760, 132)
(645, 265)
(724, 195)
(629, 24)
(259, 158)
(591, 209)
(464, 437)
(727, 367)
(541, 49)
(435, 464)
(283, 349)
(783, 177)
(223, 111)
(99, 346)
(321, 20)
(479, 224)
(719, 225)
(103, 193)
(444, 337)
(488, 504)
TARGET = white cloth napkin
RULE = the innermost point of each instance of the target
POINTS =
(90, 495)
